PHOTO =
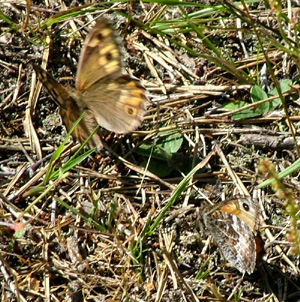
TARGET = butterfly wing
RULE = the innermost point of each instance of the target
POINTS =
(108, 97)
(70, 109)
(58, 92)
(116, 100)
(121, 106)
(100, 55)
(244, 207)
(234, 238)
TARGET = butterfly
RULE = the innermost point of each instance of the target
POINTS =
(108, 96)
(233, 224)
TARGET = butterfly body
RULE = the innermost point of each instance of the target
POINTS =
(108, 96)
(232, 224)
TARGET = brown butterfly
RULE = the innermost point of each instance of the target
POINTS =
(107, 95)
(233, 223)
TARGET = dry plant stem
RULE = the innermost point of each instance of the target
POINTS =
(238, 183)
(208, 121)
(26, 154)
(11, 208)
(31, 182)
(236, 288)
(28, 124)
(154, 72)
(215, 291)
(280, 251)
(208, 89)
(37, 8)
(162, 281)
(13, 146)
(167, 244)
(171, 263)
(32, 101)
(181, 211)
(92, 173)
(21, 170)
(274, 55)
(217, 132)
(202, 121)
(240, 35)
(189, 189)
(47, 288)
(175, 100)
(28, 10)
(17, 88)
(146, 168)
(7, 273)
(36, 177)
(62, 224)
(268, 142)
(169, 56)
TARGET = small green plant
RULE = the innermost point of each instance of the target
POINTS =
(258, 95)
(162, 153)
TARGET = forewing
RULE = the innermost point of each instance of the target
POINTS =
(100, 55)
(244, 207)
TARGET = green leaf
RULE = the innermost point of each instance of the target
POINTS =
(258, 94)
(162, 152)
(285, 86)
(164, 145)
(233, 105)
(158, 167)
